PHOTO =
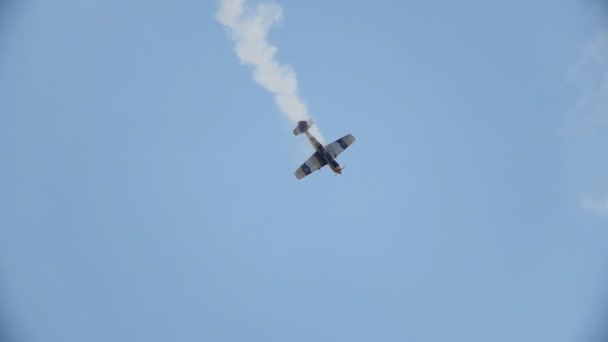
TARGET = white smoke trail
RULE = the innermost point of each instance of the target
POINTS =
(586, 123)
(249, 28)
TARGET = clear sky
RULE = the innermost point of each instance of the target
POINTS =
(147, 189)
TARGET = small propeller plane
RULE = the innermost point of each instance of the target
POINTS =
(324, 154)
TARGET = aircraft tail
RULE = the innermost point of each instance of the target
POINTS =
(302, 127)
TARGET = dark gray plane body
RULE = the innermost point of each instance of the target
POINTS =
(324, 155)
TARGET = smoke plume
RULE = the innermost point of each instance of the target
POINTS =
(249, 29)
(587, 121)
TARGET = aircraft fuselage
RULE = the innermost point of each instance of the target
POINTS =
(329, 158)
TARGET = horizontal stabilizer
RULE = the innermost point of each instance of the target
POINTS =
(302, 127)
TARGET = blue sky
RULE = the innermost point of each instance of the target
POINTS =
(148, 189)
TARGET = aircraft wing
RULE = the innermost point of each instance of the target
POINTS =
(340, 145)
(315, 162)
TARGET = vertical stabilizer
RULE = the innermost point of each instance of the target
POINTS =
(302, 127)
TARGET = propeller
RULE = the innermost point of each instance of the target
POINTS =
(341, 169)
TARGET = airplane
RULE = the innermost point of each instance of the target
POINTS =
(323, 154)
